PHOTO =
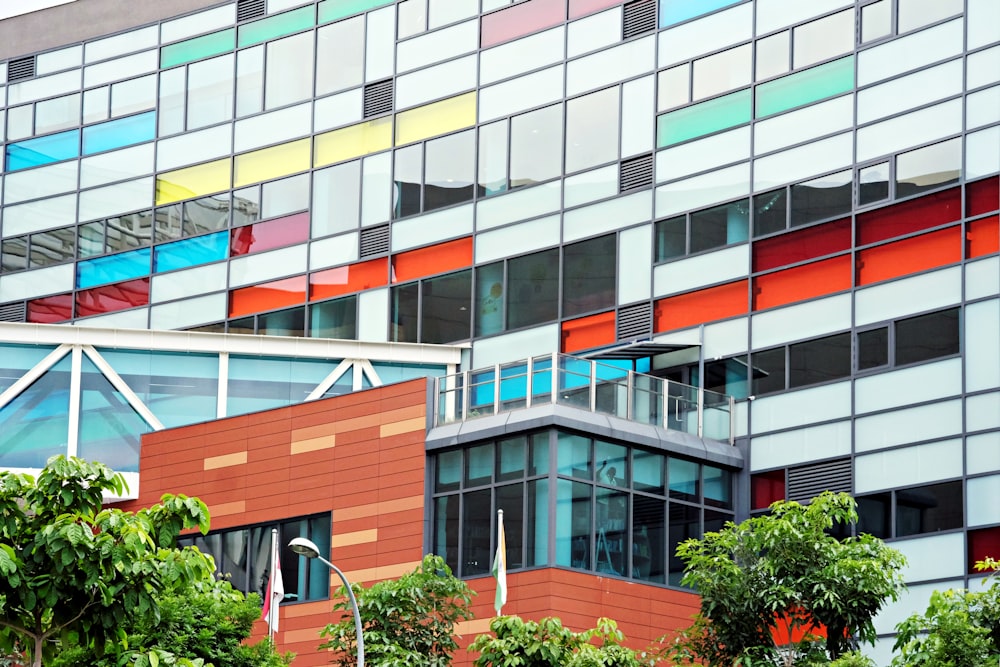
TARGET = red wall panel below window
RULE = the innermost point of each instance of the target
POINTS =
(588, 332)
(51, 309)
(802, 245)
(982, 544)
(766, 488)
(112, 298)
(910, 216)
(983, 196)
(714, 303)
(913, 255)
(435, 259)
(802, 282)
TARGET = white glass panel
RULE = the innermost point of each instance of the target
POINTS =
(705, 35)
(411, 18)
(515, 346)
(798, 408)
(798, 163)
(115, 199)
(128, 42)
(194, 147)
(936, 289)
(591, 186)
(982, 354)
(425, 229)
(638, 117)
(982, 153)
(436, 82)
(983, 452)
(611, 65)
(773, 55)
(912, 129)
(674, 87)
(190, 312)
(909, 53)
(337, 110)
(121, 68)
(982, 499)
(933, 557)
(913, 14)
(910, 91)
(528, 53)
(908, 386)
(913, 600)
(336, 199)
(706, 269)
(984, 22)
(703, 154)
(908, 466)
(189, 282)
(876, 20)
(526, 203)
(333, 251)
(803, 124)
(116, 165)
(129, 319)
(252, 269)
(595, 32)
(982, 411)
(29, 284)
(250, 81)
(376, 183)
(210, 91)
(272, 128)
(58, 114)
(982, 108)
(289, 70)
(20, 122)
(53, 61)
(726, 338)
(41, 182)
(517, 239)
(47, 86)
(285, 196)
(172, 93)
(381, 40)
(936, 420)
(721, 72)
(340, 55)
(805, 320)
(800, 446)
(819, 40)
(437, 46)
(443, 12)
(525, 92)
(701, 191)
(132, 96)
(592, 129)
(982, 279)
(196, 24)
(774, 14)
(373, 313)
(36, 215)
(635, 251)
(606, 216)
(982, 68)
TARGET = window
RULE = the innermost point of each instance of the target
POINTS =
(702, 230)
(910, 340)
(243, 555)
(801, 364)
(912, 511)
(536, 146)
(433, 310)
(589, 276)
(818, 199)
(533, 289)
(433, 175)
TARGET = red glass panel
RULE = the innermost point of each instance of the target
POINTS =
(111, 298)
(267, 296)
(766, 488)
(438, 258)
(802, 282)
(51, 309)
(714, 303)
(910, 216)
(982, 237)
(982, 544)
(267, 235)
(908, 256)
(347, 279)
(578, 8)
(522, 19)
(588, 332)
(983, 196)
(801, 245)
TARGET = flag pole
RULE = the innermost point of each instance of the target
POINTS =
(271, 611)
(500, 566)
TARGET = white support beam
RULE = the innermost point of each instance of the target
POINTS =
(75, 399)
(37, 371)
(118, 383)
(329, 380)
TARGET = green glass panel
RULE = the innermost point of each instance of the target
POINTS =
(703, 118)
(811, 85)
(333, 10)
(200, 47)
(35, 424)
(278, 25)
(110, 428)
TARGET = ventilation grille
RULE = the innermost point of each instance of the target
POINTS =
(639, 17)
(13, 312)
(807, 482)
(22, 68)
(636, 173)
(635, 321)
(378, 98)
(250, 9)
(375, 241)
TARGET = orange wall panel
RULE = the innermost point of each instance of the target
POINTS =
(432, 260)
(912, 255)
(588, 332)
(802, 282)
(347, 279)
(707, 305)
(268, 296)
(982, 237)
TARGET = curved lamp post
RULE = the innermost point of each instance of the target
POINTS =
(308, 548)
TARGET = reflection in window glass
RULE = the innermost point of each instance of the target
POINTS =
(825, 38)
(770, 212)
(405, 313)
(208, 214)
(685, 523)
(928, 168)
(510, 498)
(90, 239)
(536, 146)
(927, 337)
(493, 158)
(129, 231)
(592, 130)
(819, 360)
(489, 299)
(53, 247)
(673, 87)
(246, 205)
(768, 371)
(209, 92)
(407, 167)
(875, 515)
(573, 524)
(289, 71)
(589, 276)
(58, 114)
(820, 198)
(290, 322)
(450, 170)
(340, 52)
(928, 509)
(873, 183)
(249, 81)
(721, 72)
(876, 20)
(772, 55)
(873, 348)
(684, 478)
(334, 319)
(573, 456)
(533, 289)
(719, 226)
(477, 515)
(445, 304)
(285, 196)
(445, 529)
(671, 238)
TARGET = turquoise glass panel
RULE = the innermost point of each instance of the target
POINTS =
(109, 427)
(675, 11)
(180, 388)
(16, 360)
(113, 268)
(198, 48)
(332, 10)
(805, 87)
(35, 425)
(119, 133)
(191, 252)
(391, 373)
(343, 385)
(703, 118)
(262, 383)
(43, 150)
(275, 26)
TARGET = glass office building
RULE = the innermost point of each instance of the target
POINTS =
(793, 203)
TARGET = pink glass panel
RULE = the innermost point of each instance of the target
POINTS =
(111, 298)
(522, 19)
(267, 235)
(578, 8)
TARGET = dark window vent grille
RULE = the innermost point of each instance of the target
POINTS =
(807, 482)
(22, 68)
(13, 312)
(636, 173)
(635, 321)
(250, 9)
(639, 17)
(375, 241)
(378, 98)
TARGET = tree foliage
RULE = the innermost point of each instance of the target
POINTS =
(785, 570)
(408, 622)
(73, 572)
(547, 643)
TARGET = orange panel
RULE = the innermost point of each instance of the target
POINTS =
(714, 303)
(347, 279)
(802, 282)
(268, 296)
(587, 332)
(431, 260)
(913, 255)
(982, 237)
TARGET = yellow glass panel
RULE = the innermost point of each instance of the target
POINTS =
(354, 141)
(273, 162)
(437, 118)
(196, 181)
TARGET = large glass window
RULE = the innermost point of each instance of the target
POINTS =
(434, 310)
(702, 230)
(536, 146)
(533, 289)
(592, 130)
(912, 511)
(589, 276)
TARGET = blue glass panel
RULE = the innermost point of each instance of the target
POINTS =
(675, 11)
(191, 252)
(262, 383)
(35, 424)
(119, 133)
(113, 268)
(15, 360)
(43, 150)
(390, 372)
(110, 428)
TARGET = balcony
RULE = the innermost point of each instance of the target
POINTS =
(559, 379)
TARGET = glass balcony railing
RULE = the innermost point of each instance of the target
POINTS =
(588, 385)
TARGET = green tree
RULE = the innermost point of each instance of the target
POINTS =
(408, 622)
(785, 569)
(547, 643)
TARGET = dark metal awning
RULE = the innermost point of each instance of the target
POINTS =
(636, 350)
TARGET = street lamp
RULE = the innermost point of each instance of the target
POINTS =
(308, 548)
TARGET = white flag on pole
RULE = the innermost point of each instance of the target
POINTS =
(275, 589)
